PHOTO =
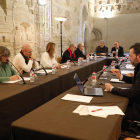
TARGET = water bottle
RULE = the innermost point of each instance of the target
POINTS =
(87, 59)
(53, 69)
(93, 79)
(104, 71)
(112, 65)
(95, 57)
(68, 64)
(79, 63)
(35, 77)
(111, 55)
(31, 76)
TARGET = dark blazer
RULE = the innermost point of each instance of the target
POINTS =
(66, 56)
(100, 50)
(120, 51)
(79, 53)
(133, 94)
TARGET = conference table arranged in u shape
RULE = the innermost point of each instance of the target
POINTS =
(47, 116)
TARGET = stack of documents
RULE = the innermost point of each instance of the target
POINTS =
(98, 111)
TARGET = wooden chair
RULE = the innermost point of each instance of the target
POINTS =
(59, 59)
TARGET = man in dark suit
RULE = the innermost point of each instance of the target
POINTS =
(79, 52)
(101, 50)
(117, 50)
(69, 54)
(133, 94)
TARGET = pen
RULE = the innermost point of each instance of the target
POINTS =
(96, 110)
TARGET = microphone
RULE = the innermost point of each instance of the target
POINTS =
(120, 62)
(41, 65)
(18, 71)
(69, 57)
(86, 80)
(102, 71)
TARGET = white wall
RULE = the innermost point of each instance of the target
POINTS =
(124, 28)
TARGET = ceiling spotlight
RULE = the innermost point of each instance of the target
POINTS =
(41, 2)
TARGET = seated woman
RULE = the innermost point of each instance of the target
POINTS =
(7, 73)
(48, 57)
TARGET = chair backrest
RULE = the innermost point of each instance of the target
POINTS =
(59, 59)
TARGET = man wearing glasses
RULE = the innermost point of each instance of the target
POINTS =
(23, 61)
(69, 54)
(117, 50)
(79, 52)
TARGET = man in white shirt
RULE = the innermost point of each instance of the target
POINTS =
(23, 61)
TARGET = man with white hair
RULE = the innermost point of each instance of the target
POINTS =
(23, 61)
(79, 52)
(102, 49)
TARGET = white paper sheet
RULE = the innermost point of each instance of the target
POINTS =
(129, 66)
(102, 111)
(78, 98)
(63, 66)
(81, 110)
(128, 62)
(11, 82)
(116, 80)
(26, 78)
(42, 71)
(126, 71)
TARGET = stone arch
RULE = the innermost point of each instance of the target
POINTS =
(3, 6)
(83, 26)
(97, 34)
(24, 34)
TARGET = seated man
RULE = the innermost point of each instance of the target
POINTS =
(133, 94)
(117, 50)
(23, 61)
(102, 50)
(79, 52)
(69, 54)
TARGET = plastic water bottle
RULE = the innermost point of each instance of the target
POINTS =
(35, 77)
(104, 71)
(31, 76)
(53, 69)
(93, 79)
(68, 64)
(112, 65)
(79, 63)
(95, 57)
(87, 59)
(111, 55)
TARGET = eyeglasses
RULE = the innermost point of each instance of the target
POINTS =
(115, 44)
(28, 52)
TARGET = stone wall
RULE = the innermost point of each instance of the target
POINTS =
(21, 21)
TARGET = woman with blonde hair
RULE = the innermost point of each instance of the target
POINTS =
(7, 73)
(48, 57)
